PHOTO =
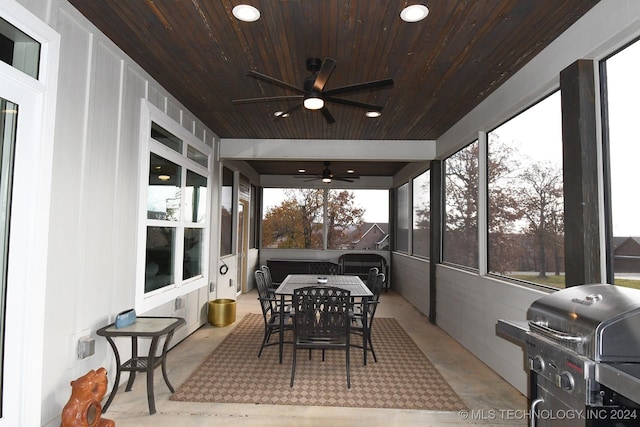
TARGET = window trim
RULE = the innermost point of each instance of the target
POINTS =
(150, 114)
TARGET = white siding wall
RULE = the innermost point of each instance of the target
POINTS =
(410, 278)
(92, 253)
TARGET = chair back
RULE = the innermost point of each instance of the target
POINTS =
(371, 277)
(263, 294)
(376, 289)
(321, 315)
(325, 268)
(267, 276)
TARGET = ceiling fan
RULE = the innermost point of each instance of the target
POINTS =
(327, 176)
(313, 95)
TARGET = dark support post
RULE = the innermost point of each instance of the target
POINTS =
(435, 229)
(579, 136)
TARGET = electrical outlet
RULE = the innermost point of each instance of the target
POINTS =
(86, 347)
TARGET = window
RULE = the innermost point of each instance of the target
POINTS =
(292, 218)
(460, 235)
(19, 50)
(421, 214)
(358, 219)
(355, 219)
(175, 210)
(402, 218)
(623, 91)
(525, 196)
(226, 214)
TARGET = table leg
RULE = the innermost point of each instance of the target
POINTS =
(164, 362)
(134, 358)
(365, 327)
(281, 329)
(150, 369)
(114, 389)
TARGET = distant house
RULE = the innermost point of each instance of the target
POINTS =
(375, 236)
(626, 254)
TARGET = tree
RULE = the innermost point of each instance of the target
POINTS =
(342, 215)
(298, 221)
(461, 224)
(541, 201)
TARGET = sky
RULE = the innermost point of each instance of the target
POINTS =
(624, 123)
(538, 135)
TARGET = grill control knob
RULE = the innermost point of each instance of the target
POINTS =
(565, 381)
(536, 364)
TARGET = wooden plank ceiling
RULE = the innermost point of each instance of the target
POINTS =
(442, 67)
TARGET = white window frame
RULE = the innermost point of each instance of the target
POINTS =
(151, 114)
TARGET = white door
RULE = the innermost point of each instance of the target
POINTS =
(27, 117)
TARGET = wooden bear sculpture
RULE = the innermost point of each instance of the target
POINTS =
(83, 408)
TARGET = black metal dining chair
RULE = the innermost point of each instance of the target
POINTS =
(321, 320)
(357, 321)
(270, 312)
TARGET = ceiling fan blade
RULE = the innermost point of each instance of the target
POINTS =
(268, 98)
(327, 115)
(353, 103)
(328, 65)
(274, 81)
(376, 84)
(342, 179)
(289, 111)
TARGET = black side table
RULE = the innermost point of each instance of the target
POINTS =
(144, 327)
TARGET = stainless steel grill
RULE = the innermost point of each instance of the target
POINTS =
(582, 349)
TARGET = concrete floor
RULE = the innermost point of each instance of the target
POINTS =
(493, 401)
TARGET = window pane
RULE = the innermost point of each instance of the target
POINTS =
(358, 219)
(195, 198)
(421, 214)
(159, 270)
(226, 205)
(402, 218)
(8, 123)
(193, 239)
(19, 50)
(165, 137)
(292, 218)
(526, 204)
(623, 89)
(460, 236)
(163, 194)
(197, 156)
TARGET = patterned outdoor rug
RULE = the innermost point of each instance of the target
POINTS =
(403, 378)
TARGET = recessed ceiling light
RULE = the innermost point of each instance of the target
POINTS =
(246, 13)
(164, 177)
(281, 114)
(302, 170)
(414, 13)
(373, 114)
(350, 171)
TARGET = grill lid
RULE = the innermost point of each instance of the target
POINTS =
(600, 321)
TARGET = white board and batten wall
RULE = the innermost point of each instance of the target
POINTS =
(91, 268)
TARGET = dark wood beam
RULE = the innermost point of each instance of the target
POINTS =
(580, 166)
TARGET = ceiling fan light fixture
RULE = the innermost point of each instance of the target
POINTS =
(373, 114)
(313, 102)
(414, 13)
(246, 13)
(326, 180)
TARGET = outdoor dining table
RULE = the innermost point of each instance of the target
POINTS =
(354, 284)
